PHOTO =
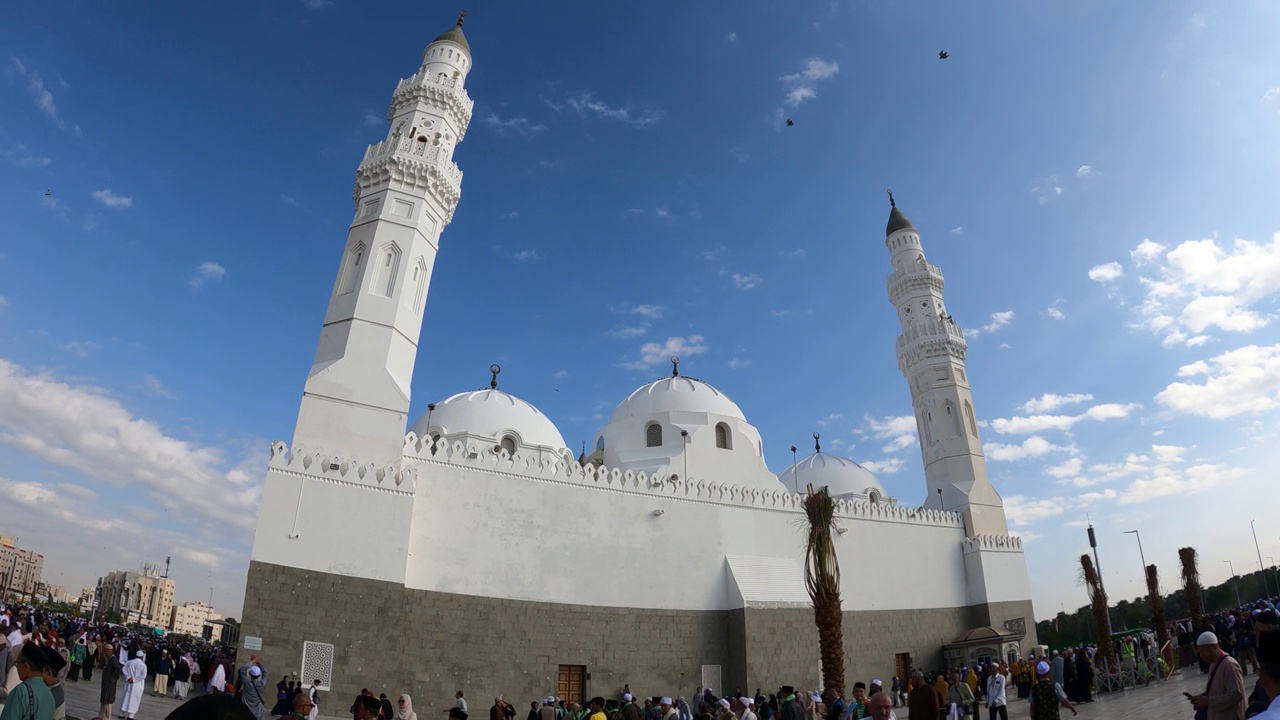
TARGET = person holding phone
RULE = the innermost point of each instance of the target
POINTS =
(1224, 697)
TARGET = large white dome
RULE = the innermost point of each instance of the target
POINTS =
(490, 413)
(841, 476)
(676, 394)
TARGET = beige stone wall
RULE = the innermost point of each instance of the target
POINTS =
(392, 639)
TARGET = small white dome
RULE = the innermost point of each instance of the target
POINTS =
(841, 476)
(676, 394)
(490, 414)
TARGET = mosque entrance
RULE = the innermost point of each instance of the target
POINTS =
(569, 683)
(902, 667)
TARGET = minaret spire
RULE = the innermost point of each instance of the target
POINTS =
(462, 17)
(931, 355)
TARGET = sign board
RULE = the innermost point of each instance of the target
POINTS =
(252, 643)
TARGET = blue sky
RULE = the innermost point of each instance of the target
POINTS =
(1097, 182)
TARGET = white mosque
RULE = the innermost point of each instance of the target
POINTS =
(476, 552)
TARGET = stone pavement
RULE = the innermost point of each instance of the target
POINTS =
(1155, 702)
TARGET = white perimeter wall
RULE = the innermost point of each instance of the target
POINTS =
(483, 532)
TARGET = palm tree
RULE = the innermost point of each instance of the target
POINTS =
(822, 580)
(1191, 584)
(1157, 615)
(1098, 604)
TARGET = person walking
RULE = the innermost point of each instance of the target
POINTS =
(314, 694)
(135, 675)
(182, 677)
(404, 709)
(1048, 696)
(1224, 697)
(31, 698)
(109, 678)
(997, 701)
(253, 688)
(164, 668)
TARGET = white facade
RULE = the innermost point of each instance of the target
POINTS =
(482, 498)
(189, 618)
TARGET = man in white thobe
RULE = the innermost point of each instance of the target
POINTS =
(135, 677)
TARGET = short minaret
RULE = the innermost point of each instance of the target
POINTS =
(356, 398)
(931, 354)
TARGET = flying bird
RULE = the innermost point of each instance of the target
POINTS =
(943, 55)
(790, 122)
(47, 193)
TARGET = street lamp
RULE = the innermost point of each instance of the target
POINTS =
(1276, 571)
(1236, 583)
(1266, 587)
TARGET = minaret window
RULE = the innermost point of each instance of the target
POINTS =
(351, 270)
(723, 437)
(653, 435)
(509, 444)
(956, 428)
(973, 424)
(388, 265)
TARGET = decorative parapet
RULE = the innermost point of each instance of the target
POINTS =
(437, 90)
(409, 164)
(996, 543)
(663, 483)
(395, 476)
(924, 276)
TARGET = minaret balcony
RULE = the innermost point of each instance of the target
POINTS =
(439, 91)
(406, 148)
(922, 277)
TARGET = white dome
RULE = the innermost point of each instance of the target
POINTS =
(676, 394)
(841, 476)
(490, 414)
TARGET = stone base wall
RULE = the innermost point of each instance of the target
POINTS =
(392, 639)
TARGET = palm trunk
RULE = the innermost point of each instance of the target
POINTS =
(1098, 604)
(1156, 600)
(1191, 584)
(822, 580)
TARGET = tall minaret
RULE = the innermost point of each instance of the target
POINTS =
(356, 398)
(931, 354)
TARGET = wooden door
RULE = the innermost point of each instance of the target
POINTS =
(902, 667)
(570, 683)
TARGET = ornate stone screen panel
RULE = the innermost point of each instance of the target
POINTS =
(711, 679)
(317, 663)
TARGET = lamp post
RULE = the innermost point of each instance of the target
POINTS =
(1275, 571)
(1266, 586)
(1236, 583)
(1143, 557)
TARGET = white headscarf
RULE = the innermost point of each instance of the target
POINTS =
(406, 712)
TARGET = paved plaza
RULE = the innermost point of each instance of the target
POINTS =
(1161, 702)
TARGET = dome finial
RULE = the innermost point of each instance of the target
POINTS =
(675, 366)
(495, 369)
(817, 446)
(892, 204)
(462, 16)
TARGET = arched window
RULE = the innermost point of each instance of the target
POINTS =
(722, 436)
(653, 435)
(509, 444)
(351, 269)
(954, 416)
(388, 265)
(600, 443)
(874, 497)
(926, 418)
(973, 423)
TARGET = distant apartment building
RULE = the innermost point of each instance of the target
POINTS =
(190, 618)
(19, 569)
(137, 597)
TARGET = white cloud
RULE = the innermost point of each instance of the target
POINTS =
(1054, 312)
(623, 332)
(518, 125)
(1106, 272)
(1021, 510)
(653, 312)
(1028, 424)
(4, 302)
(209, 272)
(957, 230)
(713, 254)
(526, 255)
(1147, 251)
(797, 253)
(1168, 453)
(22, 157)
(654, 354)
(40, 95)
(745, 282)
(1034, 446)
(152, 386)
(1271, 94)
(1047, 189)
(83, 348)
(1084, 171)
(800, 86)
(736, 363)
(1165, 482)
(1241, 381)
(112, 200)
(1067, 469)
(80, 428)
(885, 466)
(560, 374)
(998, 320)
(731, 37)
(373, 119)
(824, 422)
(289, 200)
(899, 431)
(585, 105)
